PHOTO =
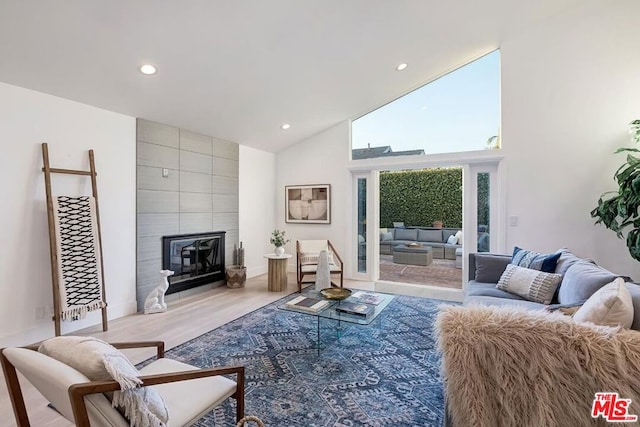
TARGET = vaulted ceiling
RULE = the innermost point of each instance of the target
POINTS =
(238, 69)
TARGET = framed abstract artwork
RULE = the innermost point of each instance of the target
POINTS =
(308, 204)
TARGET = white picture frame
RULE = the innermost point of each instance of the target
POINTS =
(308, 204)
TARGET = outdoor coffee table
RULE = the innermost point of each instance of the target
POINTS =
(413, 255)
(330, 311)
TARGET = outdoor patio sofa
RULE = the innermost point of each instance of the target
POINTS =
(434, 237)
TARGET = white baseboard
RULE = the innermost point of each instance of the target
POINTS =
(257, 271)
(46, 328)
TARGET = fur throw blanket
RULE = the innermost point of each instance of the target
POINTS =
(513, 367)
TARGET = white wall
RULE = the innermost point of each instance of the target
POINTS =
(569, 89)
(257, 187)
(28, 118)
(321, 159)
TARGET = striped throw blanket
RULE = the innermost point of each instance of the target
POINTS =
(79, 272)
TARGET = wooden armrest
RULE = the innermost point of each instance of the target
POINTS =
(335, 254)
(140, 344)
(78, 391)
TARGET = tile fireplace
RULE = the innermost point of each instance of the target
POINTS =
(197, 259)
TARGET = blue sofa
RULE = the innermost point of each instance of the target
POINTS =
(581, 279)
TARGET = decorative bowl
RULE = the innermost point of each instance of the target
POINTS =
(413, 245)
(335, 293)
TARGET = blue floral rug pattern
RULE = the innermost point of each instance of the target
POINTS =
(383, 374)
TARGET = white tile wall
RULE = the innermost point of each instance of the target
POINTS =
(158, 224)
(157, 133)
(194, 182)
(225, 203)
(190, 141)
(195, 222)
(225, 167)
(149, 179)
(199, 195)
(195, 202)
(195, 162)
(152, 201)
(225, 149)
(225, 185)
(157, 155)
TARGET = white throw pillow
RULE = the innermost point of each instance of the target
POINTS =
(459, 236)
(452, 240)
(610, 305)
(98, 360)
(531, 284)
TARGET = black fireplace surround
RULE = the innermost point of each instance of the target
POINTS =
(197, 259)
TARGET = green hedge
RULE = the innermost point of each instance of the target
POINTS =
(420, 197)
(483, 198)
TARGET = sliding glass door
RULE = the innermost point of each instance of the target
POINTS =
(361, 226)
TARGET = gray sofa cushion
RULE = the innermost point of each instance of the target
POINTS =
(386, 237)
(434, 244)
(447, 232)
(430, 236)
(490, 267)
(486, 300)
(406, 234)
(566, 260)
(475, 289)
(581, 281)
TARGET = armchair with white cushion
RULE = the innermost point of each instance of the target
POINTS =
(307, 254)
(188, 392)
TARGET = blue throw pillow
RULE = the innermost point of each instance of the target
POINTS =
(535, 260)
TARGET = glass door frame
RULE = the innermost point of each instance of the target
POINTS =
(372, 218)
(497, 222)
(470, 167)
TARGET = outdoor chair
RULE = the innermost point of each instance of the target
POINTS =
(307, 253)
(188, 392)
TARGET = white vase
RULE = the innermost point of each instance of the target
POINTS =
(279, 250)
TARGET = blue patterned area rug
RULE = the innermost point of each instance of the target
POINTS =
(383, 374)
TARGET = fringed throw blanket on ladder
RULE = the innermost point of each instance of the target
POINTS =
(79, 278)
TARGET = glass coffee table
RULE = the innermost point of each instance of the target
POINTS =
(332, 311)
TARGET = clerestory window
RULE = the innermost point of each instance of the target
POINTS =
(457, 112)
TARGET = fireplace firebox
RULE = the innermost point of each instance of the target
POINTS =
(196, 259)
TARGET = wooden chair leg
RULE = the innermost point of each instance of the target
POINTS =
(15, 392)
(239, 396)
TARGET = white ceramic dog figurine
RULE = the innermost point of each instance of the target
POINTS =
(155, 301)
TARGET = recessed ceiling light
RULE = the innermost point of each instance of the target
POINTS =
(285, 126)
(148, 69)
(401, 67)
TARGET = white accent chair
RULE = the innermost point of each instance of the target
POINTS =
(189, 392)
(307, 253)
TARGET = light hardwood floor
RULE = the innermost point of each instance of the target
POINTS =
(184, 320)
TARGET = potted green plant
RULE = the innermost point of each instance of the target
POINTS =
(278, 239)
(618, 210)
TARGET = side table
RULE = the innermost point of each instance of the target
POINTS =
(277, 271)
